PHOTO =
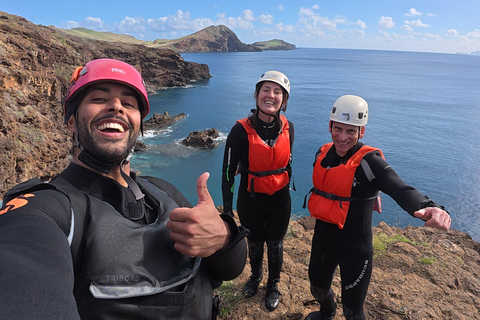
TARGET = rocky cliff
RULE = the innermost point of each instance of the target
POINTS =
(35, 67)
(418, 273)
(211, 39)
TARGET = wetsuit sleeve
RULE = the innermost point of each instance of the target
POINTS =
(387, 180)
(291, 130)
(36, 271)
(235, 145)
(228, 263)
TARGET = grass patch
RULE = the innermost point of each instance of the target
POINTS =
(230, 297)
(428, 260)
(381, 241)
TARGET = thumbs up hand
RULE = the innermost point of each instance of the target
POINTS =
(199, 231)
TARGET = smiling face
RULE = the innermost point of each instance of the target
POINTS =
(345, 136)
(108, 121)
(269, 99)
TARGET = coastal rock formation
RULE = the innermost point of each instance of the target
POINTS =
(203, 140)
(36, 63)
(419, 273)
(275, 44)
(159, 121)
(211, 39)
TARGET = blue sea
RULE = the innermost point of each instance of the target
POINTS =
(424, 114)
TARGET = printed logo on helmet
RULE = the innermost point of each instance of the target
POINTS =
(118, 70)
(16, 203)
(345, 116)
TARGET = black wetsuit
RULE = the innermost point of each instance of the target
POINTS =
(37, 273)
(266, 216)
(351, 247)
(254, 211)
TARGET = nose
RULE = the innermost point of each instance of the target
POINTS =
(115, 105)
(343, 135)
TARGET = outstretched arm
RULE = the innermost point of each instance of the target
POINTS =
(36, 271)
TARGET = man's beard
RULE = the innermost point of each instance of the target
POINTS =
(106, 155)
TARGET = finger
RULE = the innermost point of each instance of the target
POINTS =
(202, 190)
(420, 214)
(179, 214)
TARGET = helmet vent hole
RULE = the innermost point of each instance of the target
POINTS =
(334, 109)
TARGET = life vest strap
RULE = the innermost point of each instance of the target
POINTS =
(334, 197)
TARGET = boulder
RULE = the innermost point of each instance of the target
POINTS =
(202, 140)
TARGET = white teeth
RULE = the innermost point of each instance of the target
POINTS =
(111, 125)
(269, 102)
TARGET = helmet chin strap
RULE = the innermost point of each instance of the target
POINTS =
(269, 115)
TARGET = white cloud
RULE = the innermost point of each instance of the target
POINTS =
(248, 15)
(475, 34)
(281, 8)
(413, 12)
(386, 22)
(132, 25)
(407, 28)
(284, 28)
(431, 15)
(434, 37)
(265, 18)
(452, 33)
(361, 24)
(316, 7)
(241, 23)
(70, 24)
(181, 21)
(416, 23)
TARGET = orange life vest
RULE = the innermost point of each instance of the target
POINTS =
(331, 194)
(267, 165)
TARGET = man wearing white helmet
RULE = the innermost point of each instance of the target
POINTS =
(100, 242)
(347, 177)
(260, 147)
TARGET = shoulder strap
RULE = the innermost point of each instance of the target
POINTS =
(78, 202)
(368, 171)
(168, 188)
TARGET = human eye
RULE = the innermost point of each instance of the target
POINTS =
(130, 103)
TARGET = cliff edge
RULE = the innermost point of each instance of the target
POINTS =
(418, 273)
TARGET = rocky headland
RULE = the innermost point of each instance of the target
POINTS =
(275, 44)
(210, 39)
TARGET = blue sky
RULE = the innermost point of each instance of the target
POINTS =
(423, 25)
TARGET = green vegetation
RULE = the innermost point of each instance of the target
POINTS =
(428, 260)
(381, 242)
(230, 297)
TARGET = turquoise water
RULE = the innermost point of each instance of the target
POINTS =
(424, 110)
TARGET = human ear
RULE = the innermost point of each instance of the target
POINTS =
(362, 132)
(71, 124)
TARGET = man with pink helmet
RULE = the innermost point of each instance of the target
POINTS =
(100, 242)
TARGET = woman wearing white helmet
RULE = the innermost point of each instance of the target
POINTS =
(259, 147)
(347, 177)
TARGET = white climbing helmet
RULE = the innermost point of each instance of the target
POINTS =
(277, 77)
(350, 109)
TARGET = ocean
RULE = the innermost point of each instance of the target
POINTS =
(423, 113)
